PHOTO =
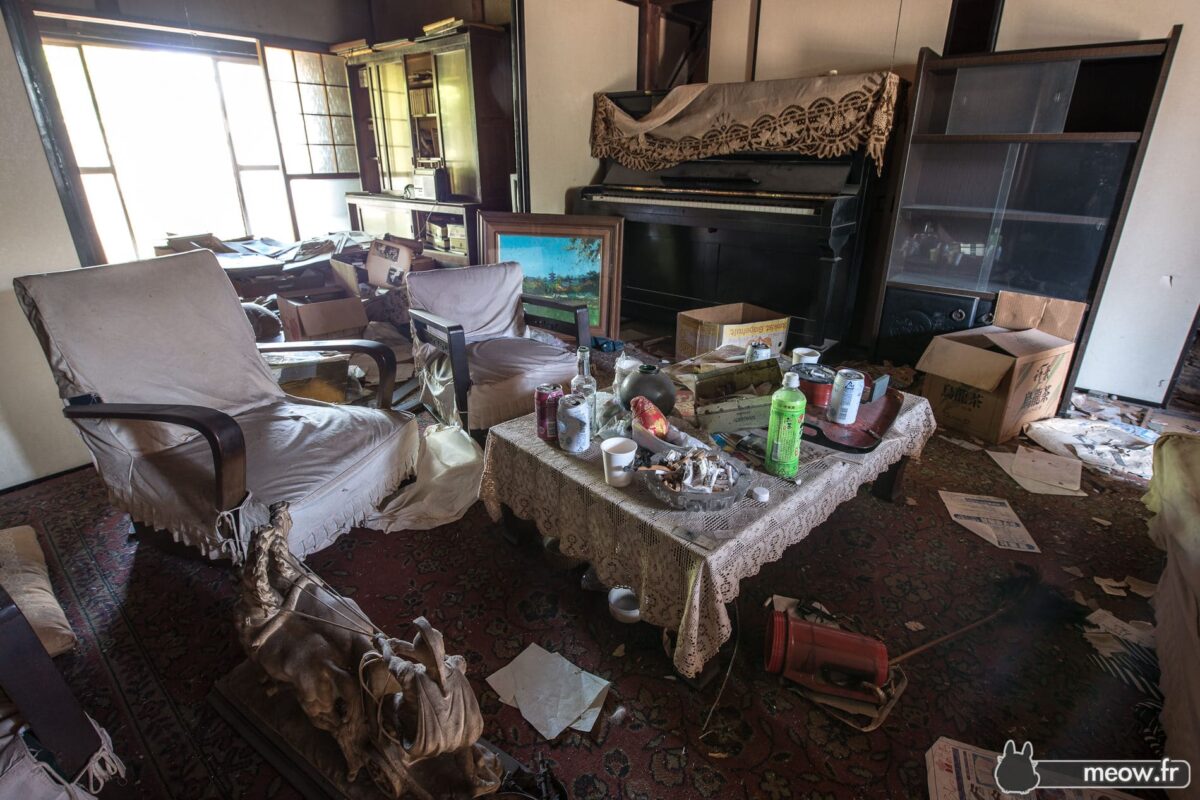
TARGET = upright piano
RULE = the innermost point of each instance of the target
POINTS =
(777, 230)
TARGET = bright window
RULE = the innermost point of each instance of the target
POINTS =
(176, 142)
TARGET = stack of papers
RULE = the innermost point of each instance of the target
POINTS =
(550, 692)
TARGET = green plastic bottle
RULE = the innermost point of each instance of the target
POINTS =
(786, 426)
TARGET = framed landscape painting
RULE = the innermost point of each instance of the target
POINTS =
(569, 258)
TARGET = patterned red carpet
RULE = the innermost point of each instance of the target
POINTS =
(155, 631)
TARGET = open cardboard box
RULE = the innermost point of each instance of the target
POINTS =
(703, 329)
(989, 382)
(321, 314)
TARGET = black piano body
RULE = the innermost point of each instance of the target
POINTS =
(777, 230)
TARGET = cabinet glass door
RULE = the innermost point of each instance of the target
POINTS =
(1021, 216)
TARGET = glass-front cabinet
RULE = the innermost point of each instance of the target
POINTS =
(1016, 172)
(439, 144)
(1009, 183)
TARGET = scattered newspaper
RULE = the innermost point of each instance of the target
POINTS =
(991, 519)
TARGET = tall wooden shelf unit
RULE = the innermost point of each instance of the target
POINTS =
(1018, 169)
(442, 102)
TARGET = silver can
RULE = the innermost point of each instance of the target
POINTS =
(574, 424)
(757, 351)
(847, 395)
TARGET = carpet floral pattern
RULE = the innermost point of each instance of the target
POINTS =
(155, 631)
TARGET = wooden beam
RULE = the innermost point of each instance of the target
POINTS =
(649, 30)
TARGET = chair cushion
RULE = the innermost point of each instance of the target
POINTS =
(504, 374)
(485, 300)
(332, 464)
(24, 576)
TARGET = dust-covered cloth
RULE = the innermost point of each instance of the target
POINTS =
(825, 116)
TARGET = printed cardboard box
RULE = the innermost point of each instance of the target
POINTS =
(990, 381)
(703, 329)
(736, 398)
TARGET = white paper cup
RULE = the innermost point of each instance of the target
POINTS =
(618, 453)
(805, 355)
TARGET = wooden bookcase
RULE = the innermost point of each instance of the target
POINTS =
(442, 102)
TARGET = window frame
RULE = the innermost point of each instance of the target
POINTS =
(218, 49)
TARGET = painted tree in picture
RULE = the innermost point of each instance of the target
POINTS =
(565, 268)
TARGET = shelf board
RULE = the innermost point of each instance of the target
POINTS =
(1014, 214)
(1094, 137)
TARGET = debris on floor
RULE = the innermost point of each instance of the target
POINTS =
(914, 626)
(991, 519)
(1115, 448)
(1142, 634)
(1140, 587)
(1005, 462)
(1076, 571)
(1101, 521)
(551, 693)
(1110, 586)
(1038, 465)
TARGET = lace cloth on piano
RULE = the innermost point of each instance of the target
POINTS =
(826, 116)
(683, 579)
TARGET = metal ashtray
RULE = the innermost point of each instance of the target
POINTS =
(692, 500)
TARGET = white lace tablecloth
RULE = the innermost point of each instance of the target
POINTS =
(683, 566)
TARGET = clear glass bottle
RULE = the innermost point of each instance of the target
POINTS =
(583, 383)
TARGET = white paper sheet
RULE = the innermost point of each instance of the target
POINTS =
(551, 692)
(1140, 587)
(1105, 621)
(1037, 465)
(991, 519)
(1005, 462)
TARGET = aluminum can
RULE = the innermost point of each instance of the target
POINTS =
(574, 423)
(757, 351)
(846, 396)
(816, 382)
(545, 405)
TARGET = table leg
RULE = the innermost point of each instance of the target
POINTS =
(890, 485)
(516, 531)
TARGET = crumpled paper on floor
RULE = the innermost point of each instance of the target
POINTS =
(1112, 447)
(550, 692)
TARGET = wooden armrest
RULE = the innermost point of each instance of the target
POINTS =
(581, 330)
(432, 320)
(38, 690)
(380, 352)
(222, 432)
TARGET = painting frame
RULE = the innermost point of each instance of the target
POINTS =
(610, 232)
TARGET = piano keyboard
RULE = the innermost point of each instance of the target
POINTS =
(659, 201)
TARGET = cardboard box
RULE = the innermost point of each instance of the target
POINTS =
(704, 329)
(736, 398)
(317, 316)
(990, 381)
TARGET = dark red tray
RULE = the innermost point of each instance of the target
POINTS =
(861, 436)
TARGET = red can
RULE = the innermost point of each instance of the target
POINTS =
(816, 382)
(545, 404)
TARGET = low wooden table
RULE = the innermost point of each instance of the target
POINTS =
(683, 566)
